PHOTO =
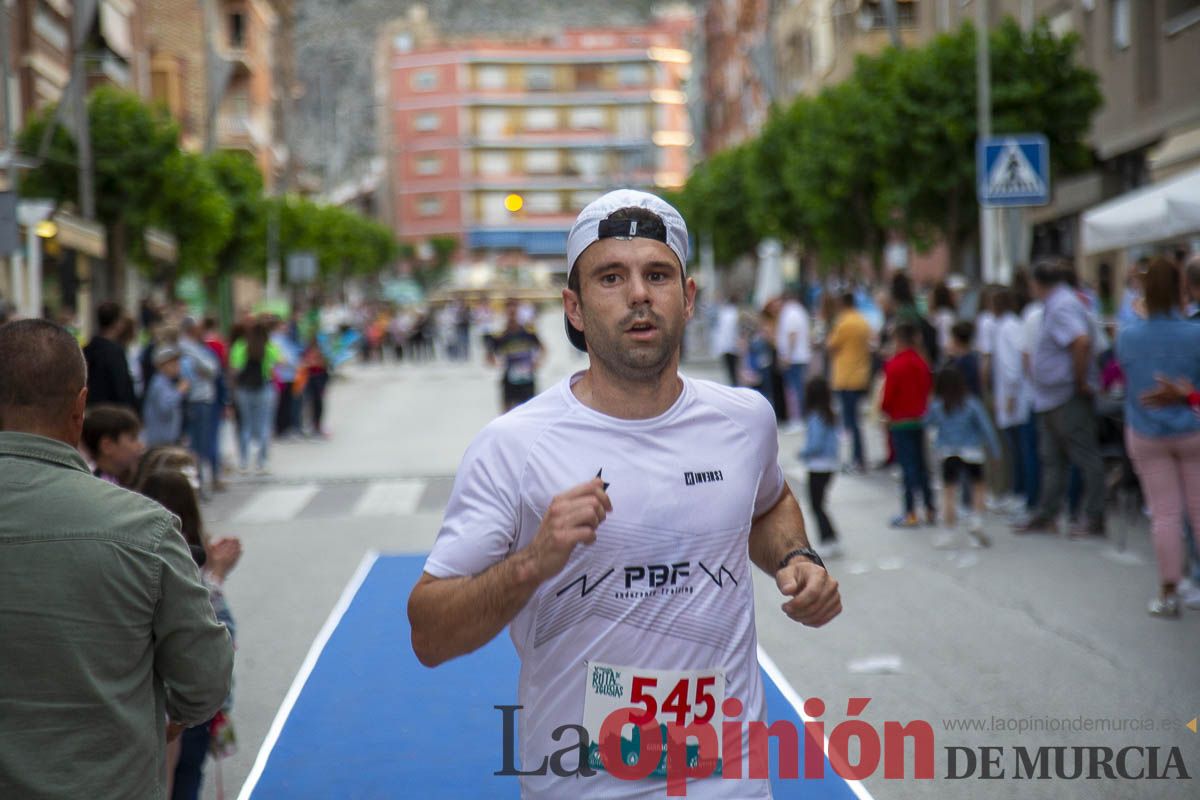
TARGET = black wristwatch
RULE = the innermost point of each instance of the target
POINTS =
(807, 552)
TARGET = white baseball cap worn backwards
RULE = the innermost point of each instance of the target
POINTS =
(593, 224)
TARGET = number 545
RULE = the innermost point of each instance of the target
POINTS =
(676, 701)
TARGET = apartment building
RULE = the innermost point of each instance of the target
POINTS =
(500, 143)
(243, 36)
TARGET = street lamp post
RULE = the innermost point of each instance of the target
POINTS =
(983, 110)
(31, 213)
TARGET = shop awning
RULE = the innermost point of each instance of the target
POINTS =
(1155, 213)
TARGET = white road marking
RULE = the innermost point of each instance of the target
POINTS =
(797, 703)
(390, 498)
(276, 504)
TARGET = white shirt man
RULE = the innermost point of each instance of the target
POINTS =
(792, 333)
(613, 520)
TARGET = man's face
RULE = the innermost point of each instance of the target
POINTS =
(632, 305)
(122, 453)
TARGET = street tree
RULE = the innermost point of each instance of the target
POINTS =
(132, 144)
(930, 99)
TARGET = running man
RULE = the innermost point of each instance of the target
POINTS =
(612, 521)
(519, 350)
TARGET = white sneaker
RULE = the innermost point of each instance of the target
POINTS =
(992, 504)
(975, 529)
(1189, 593)
(1164, 606)
(948, 539)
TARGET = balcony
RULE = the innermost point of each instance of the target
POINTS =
(240, 131)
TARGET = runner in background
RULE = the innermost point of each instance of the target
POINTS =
(519, 351)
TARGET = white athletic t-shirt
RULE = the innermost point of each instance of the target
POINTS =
(684, 487)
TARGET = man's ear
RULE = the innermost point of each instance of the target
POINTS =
(573, 308)
(78, 409)
(689, 298)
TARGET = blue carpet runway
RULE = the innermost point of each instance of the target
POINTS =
(365, 720)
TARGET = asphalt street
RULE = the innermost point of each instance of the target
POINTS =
(1036, 632)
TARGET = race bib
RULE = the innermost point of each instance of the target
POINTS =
(682, 698)
(520, 372)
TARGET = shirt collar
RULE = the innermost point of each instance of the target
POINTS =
(42, 448)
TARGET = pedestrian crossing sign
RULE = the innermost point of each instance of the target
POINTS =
(1013, 170)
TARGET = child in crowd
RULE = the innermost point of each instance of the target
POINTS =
(216, 559)
(906, 384)
(962, 356)
(163, 409)
(963, 432)
(820, 455)
(110, 436)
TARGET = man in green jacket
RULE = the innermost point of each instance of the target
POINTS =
(108, 643)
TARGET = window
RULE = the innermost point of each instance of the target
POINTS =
(542, 161)
(427, 121)
(491, 76)
(1120, 24)
(1061, 24)
(429, 165)
(541, 119)
(632, 122)
(492, 210)
(51, 30)
(539, 78)
(495, 163)
(492, 122)
(588, 76)
(587, 118)
(429, 205)
(640, 160)
(588, 164)
(543, 203)
(423, 81)
(873, 16)
(579, 200)
(237, 31)
(632, 75)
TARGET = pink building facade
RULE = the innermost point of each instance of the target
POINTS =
(556, 122)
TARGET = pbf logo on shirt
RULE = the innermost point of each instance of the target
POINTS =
(692, 478)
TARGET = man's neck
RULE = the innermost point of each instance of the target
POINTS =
(601, 390)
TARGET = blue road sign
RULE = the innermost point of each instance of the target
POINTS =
(1013, 170)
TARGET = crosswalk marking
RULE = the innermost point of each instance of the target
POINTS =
(276, 504)
(390, 498)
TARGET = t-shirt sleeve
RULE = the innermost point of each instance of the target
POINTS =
(480, 525)
(766, 444)
(1067, 325)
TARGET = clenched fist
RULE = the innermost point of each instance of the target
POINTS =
(571, 519)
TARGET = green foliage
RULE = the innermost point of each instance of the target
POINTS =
(141, 178)
(716, 202)
(893, 147)
(240, 181)
(345, 243)
(192, 206)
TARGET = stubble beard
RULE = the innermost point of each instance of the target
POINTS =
(640, 363)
